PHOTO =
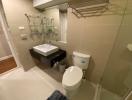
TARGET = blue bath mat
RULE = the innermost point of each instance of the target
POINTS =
(57, 95)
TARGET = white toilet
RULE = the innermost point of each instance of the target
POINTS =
(73, 75)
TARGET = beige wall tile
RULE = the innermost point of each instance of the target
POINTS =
(15, 10)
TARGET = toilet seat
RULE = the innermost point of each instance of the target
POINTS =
(72, 77)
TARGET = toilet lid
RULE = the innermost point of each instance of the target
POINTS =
(72, 76)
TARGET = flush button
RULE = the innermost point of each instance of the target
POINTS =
(21, 27)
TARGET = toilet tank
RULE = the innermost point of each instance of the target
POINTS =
(81, 60)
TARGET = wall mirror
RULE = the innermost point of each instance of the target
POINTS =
(57, 25)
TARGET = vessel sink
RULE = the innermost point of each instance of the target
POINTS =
(45, 49)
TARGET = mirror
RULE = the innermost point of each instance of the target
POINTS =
(57, 25)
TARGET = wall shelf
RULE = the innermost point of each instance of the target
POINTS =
(88, 8)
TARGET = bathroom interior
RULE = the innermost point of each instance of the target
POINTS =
(75, 49)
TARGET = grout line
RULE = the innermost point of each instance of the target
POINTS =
(97, 92)
(49, 80)
(43, 78)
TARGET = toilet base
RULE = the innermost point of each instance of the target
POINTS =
(71, 93)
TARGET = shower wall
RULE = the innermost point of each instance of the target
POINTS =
(4, 47)
(117, 76)
(14, 11)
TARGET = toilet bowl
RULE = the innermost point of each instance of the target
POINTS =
(72, 80)
(73, 75)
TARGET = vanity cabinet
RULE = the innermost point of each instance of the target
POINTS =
(50, 59)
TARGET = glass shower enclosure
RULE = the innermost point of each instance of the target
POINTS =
(116, 82)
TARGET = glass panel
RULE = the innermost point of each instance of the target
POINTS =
(117, 78)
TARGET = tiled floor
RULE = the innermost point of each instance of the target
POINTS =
(35, 84)
(20, 85)
(107, 95)
(86, 92)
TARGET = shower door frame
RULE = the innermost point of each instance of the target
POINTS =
(99, 86)
(7, 33)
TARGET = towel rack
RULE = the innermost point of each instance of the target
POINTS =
(87, 8)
